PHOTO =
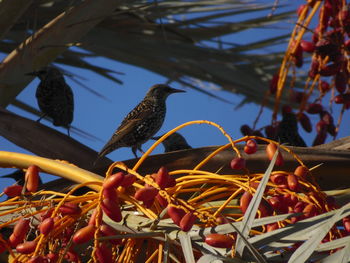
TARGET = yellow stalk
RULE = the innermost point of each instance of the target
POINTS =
(22, 161)
(160, 140)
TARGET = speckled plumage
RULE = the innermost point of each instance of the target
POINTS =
(142, 122)
(288, 131)
(54, 96)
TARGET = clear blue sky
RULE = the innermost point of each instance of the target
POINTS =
(100, 117)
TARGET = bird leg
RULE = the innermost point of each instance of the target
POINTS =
(139, 148)
(41, 117)
(68, 130)
(134, 150)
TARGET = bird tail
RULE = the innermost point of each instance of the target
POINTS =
(106, 150)
(98, 159)
(110, 146)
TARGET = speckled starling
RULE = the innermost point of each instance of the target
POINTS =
(288, 131)
(142, 122)
(174, 142)
(54, 96)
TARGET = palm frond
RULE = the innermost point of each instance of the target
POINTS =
(166, 37)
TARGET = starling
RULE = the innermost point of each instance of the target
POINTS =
(54, 96)
(288, 131)
(142, 122)
(174, 142)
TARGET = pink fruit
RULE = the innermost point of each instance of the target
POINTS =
(146, 194)
(26, 247)
(271, 148)
(219, 240)
(32, 178)
(176, 214)
(187, 222)
(46, 226)
(84, 234)
(13, 190)
(238, 163)
(114, 180)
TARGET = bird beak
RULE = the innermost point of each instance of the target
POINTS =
(175, 90)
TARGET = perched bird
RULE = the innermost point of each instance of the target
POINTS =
(142, 122)
(174, 142)
(288, 131)
(54, 96)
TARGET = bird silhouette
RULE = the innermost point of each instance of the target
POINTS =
(288, 131)
(142, 122)
(54, 96)
(174, 142)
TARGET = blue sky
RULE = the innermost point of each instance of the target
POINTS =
(101, 117)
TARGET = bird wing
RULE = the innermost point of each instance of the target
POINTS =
(112, 144)
(132, 120)
(142, 111)
(70, 101)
